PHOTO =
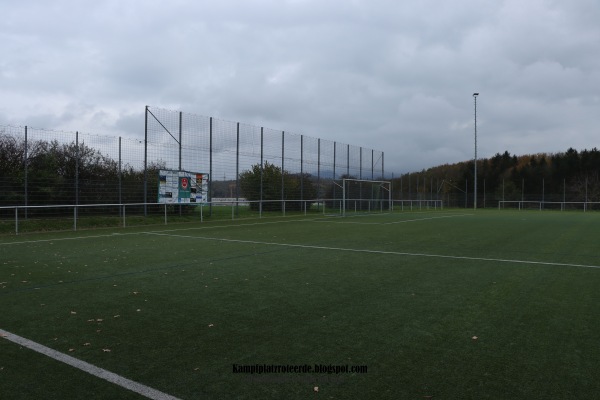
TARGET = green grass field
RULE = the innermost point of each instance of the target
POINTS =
(447, 304)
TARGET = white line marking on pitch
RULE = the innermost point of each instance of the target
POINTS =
(397, 253)
(164, 230)
(89, 368)
(62, 239)
(333, 220)
(427, 219)
(398, 222)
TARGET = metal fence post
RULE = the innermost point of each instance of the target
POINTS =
(283, 172)
(77, 155)
(318, 172)
(26, 165)
(260, 204)
(146, 163)
(120, 174)
(348, 160)
(237, 169)
(210, 163)
(360, 163)
(302, 168)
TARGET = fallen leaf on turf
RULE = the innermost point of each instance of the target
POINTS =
(316, 388)
(91, 320)
(73, 312)
(116, 316)
(87, 344)
(99, 319)
(474, 338)
(106, 350)
(71, 350)
(210, 325)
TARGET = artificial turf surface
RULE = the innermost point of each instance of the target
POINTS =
(447, 304)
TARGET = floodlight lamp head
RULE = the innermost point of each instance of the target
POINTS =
(475, 94)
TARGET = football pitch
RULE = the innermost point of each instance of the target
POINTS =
(442, 304)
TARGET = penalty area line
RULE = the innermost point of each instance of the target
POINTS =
(101, 373)
(383, 252)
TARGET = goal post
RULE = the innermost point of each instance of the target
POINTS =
(365, 196)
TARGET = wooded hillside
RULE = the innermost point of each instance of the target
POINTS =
(571, 176)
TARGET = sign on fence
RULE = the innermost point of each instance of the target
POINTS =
(178, 187)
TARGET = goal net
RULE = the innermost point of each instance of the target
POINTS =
(353, 196)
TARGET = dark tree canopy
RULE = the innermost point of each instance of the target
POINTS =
(271, 179)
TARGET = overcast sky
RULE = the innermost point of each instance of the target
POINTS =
(396, 76)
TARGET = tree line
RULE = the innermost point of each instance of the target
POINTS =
(56, 173)
(67, 173)
(573, 173)
(70, 173)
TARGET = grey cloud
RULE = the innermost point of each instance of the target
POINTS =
(379, 74)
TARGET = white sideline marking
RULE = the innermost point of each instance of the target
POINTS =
(61, 239)
(333, 220)
(427, 218)
(397, 222)
(138, 388)
(164, 230)
(397, 253)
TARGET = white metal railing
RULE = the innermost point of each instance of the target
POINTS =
(120, 210)
(420, 204)
(126, 212)
(545, 205)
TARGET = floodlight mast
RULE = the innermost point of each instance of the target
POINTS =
(475, 188)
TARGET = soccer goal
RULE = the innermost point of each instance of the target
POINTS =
(363, 196)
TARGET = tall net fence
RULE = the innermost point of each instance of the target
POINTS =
(276, 169)
(42, 167)
(268, 170)
(579, 193)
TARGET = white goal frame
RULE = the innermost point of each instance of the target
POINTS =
(384, 185)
